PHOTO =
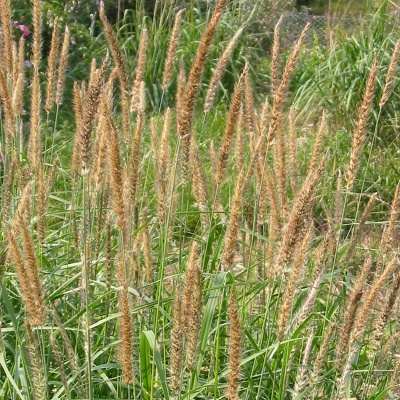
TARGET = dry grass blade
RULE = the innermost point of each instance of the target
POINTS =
(390, 75)
(171, 53)
(185, 117)
(219, 70)
(232, 392)
(62, 67)
(359, 135)
(5, 12)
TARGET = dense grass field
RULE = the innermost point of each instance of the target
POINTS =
(180, 220)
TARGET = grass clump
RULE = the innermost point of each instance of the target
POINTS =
(188, 253)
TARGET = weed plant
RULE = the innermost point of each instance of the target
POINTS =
(184, 253)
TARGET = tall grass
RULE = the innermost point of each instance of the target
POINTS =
(146, 255)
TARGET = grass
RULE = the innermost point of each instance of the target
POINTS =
(149, 252)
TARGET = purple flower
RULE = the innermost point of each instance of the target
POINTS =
(24, 30)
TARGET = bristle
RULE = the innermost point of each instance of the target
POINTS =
(176, 345)
(356, 238)
(390, 75)
(360, 133)
(234, 222)
(51, 67)
(379, 325)
(37, 34)
(219, 70)
(163, 168)
(171, 52)
(275, 58)
(5, 12)
(134, 160)
(228, 134)
(38, 374)
(295, 225)
(293, 163)
(353, 304)
(283, 87)
(91, 103)
(290, 290)
(31, 268)
(232, 392)
(126, 337)
(140, 71)
(322, 130)
(185, 117)
(9, 117)
(360, 324)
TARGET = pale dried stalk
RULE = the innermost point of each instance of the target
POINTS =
(23, 279)
(163, 168)
(295, 225)
(116, 50)
(7, 194)
(19, 79)
(114, 158)
(275, 58)
(185, 117)
(145, 237)
(38, 375)
(360, 228)
(321, 357)
(9, 117)
(37, 34)
(283, 86)
(154, 145)
(387, 240)
(359, 135)
(239, 154)
(120, 62)
(18, 95)
(322, 129)
(140, 71)
(301, 375)
(360, 324)
(200, 187)
(293, 162)
(191, 307)
(51, 67)
(171, 53)
(5, 12)
(189, 284)
(40, 203)
(249, 104)
(290, 290)
(219, 70)
(280, 171)
(92, 99)
(176, 345)
(234, 221)
(385, 313)
(232, 391)
(228, 134)
(181, 85)
(34, 153)
(72, 358)
(390, 75)
(59, 362)
(134, 160)
(32, 271)
(126, 337)
(76, 152)
(350, 314)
